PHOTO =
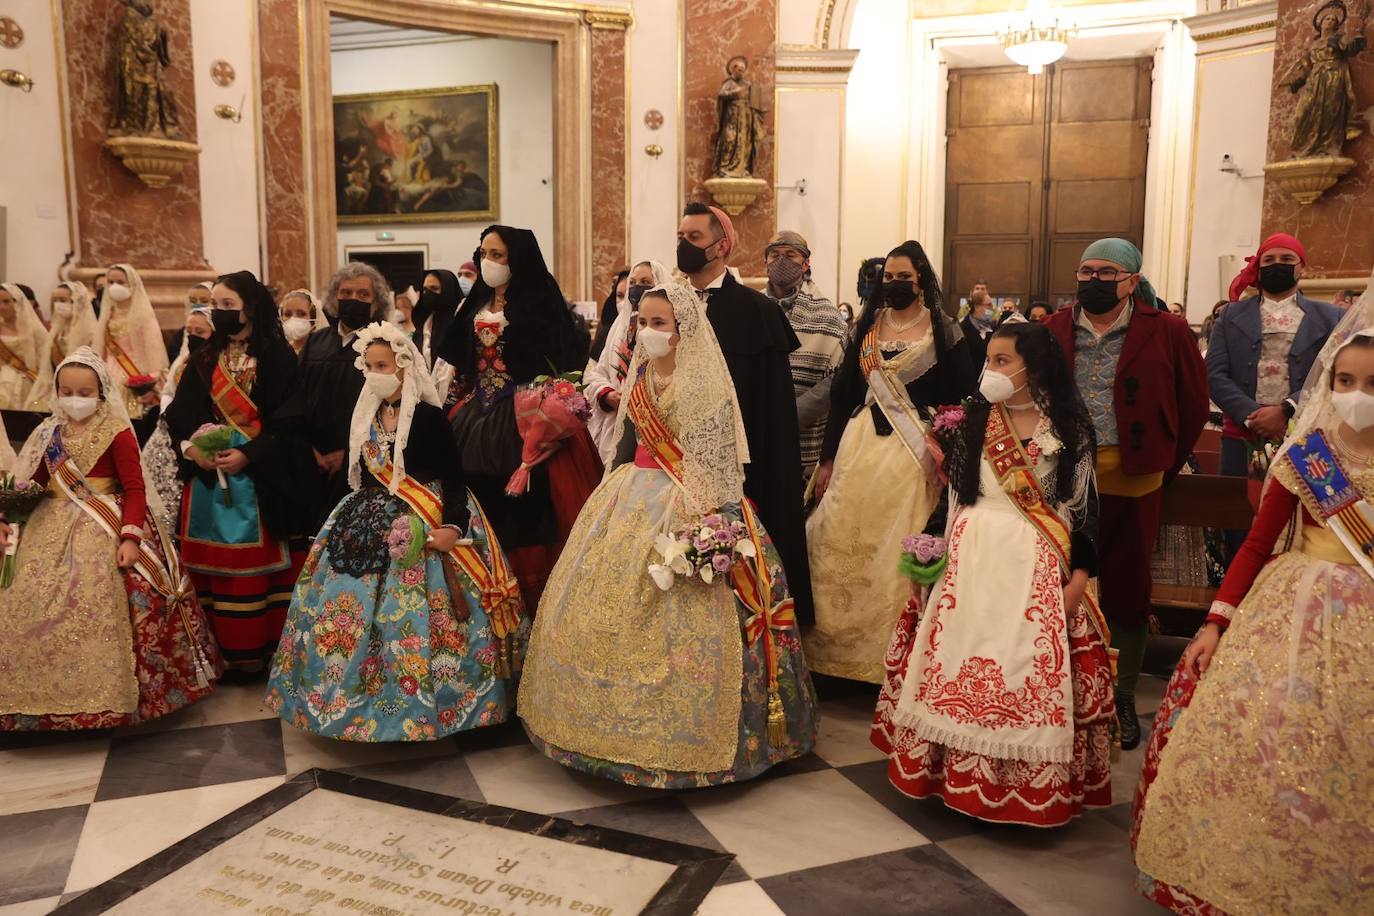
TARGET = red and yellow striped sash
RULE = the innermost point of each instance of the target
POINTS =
(654, 435)
(122, 358)
(233, 402)
(12, 358)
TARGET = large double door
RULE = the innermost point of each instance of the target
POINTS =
(1039, 166)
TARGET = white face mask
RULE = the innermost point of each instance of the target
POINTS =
(656, 343)
(78, 408)
(398, 317)
(1355, 408)
(997, 387)
(296, 328)
(62, 309)
(119, 292)
(494, 274)
(465, 285)
(382, 384)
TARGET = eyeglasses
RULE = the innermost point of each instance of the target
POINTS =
(1104, 273)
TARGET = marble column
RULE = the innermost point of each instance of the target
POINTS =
(608, 188)
(283, 143)
(715, 31)
(119, 218)
(1336, 229)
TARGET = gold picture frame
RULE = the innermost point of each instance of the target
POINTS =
(407, 156)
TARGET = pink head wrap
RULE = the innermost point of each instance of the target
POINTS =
(1249, 274)
(727, 225)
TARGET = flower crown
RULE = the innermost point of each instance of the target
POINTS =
(388, 333)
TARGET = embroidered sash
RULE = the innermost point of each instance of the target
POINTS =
(12, 358)
(161, 568)
(751, 580)
(889, 392)
(233, 402)
(1333, 497)
(1016, 473)
(624, 352)
(122, 358)
(496, 584)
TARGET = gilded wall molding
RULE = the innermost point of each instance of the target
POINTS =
(1250, 29)
(613, 20)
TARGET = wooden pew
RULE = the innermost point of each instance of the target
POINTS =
(1200, 501)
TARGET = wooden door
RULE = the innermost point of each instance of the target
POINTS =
(1037, 168)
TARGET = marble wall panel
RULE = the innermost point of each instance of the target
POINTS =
(119, 217)
(1337, 229)
(283, 149)
(608, 197)
(714, 32)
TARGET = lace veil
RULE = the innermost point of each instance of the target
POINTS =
(710, 430)
(417, 386)
(30, 327)
(149, 353)
(78, 329)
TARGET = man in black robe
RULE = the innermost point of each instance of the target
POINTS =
(329, 381)
(756, 338)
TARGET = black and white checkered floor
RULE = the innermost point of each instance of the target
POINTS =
(824, 835)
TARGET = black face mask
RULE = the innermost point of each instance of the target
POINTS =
(1278, 278)
(354, 313)
(899, 294)
(690, 258)
(634, 294)
(1098, 296)
(227, 322)
(195, 344)
(428, 304)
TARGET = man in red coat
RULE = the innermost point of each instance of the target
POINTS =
(1145, 385)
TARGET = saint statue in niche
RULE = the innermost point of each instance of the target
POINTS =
(143, 105)
(1326, 116)
(740, 108)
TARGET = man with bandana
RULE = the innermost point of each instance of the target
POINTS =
(820, 328)
(1145, 386)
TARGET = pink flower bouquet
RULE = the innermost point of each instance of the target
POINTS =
(406, 540)
(552, 409)
(923, 558)
(702, 551)
(17, 502)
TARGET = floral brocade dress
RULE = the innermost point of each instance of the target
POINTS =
(664, 689)
(384, 646)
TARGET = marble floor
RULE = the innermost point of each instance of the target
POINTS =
(823, 835)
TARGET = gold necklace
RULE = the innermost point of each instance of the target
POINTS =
(1352, 451)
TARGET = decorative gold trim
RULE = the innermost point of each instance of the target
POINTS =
(611, 20)
(492, 213)
(1238, 30)
(780, 67)
(824, 16)
(64, 127)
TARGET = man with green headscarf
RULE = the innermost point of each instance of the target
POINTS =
(1145, 385)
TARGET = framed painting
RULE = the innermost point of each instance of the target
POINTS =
(418, 155)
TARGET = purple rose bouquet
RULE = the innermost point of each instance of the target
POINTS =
(17, 502)
(923, 558)
(708, 549)
(406, 540)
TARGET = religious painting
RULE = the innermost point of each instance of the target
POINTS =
(419, 155)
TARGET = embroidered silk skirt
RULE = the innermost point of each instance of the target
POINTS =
(89, 646)
(377, 650)
(1257, 794)
(877, 496)
(656, 688)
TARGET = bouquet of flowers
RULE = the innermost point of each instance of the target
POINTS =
(702, 551)
(549, 411)
(406, 540)
(923, 558)
(17, 502)
(140, 384)
(211, 439)
(944, 432)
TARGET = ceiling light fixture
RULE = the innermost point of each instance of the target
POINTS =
(1035, 39)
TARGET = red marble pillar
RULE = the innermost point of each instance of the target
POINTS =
(714, 32)
(608, 191)
(1336, 229)
(283, 147)
(119, 218)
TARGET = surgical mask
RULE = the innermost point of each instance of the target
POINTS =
(355, 313)
(119, 292)
(227, 321)
(1355, 408)
(785, 273)
(465, 285)
(494, 274)
(195, 344)
(690, 258)
(296, 328)
(899, 293)
(78, 408)
(1278, 278)
(997, 387)
(62, 309)
(398, 317)
(1098, 296)
(634, 294)
(382, 384)
(656, 343)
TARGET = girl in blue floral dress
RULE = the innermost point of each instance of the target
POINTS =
(406, 623)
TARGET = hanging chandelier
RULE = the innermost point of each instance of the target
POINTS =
(1036, 39)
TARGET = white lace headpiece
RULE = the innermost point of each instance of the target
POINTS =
(30, 327)
(710, 429)
(80, 327)
(149, 352)
(416, 386)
